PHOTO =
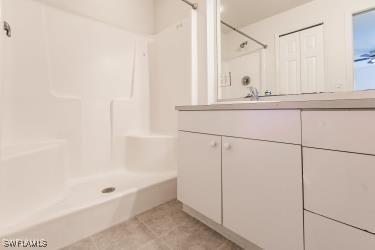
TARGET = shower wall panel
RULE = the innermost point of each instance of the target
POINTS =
(62, 73)
(170, 75)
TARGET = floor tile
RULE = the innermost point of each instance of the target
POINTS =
(205, 239)
(193, 236)
(130, 235)
(86, 244)
(179, 235)
(163, 219)
(228, 245)
(165, 227)
(155, 245)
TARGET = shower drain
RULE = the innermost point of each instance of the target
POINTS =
(108, 190)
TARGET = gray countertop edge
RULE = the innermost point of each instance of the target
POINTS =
(313, 104)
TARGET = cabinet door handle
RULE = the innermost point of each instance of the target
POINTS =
(227, 146)
(213, 144)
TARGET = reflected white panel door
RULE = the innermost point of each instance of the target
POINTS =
(199, 173)
(289, 64)
(312, 60)
(262, 192)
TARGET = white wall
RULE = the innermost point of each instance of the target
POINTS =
(168, 12)
(76, 78)
(133, 15)
(237, 68)
(63, 74)
(99, 64)
(206, 35)
(2, 57)
(29, 106)
(170, 75)
(336, 15)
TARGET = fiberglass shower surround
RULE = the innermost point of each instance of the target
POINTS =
(78, 117)
(70, 80)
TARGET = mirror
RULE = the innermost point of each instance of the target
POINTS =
(364, 50)
(295, 47)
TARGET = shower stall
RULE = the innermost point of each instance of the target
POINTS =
(87, 132)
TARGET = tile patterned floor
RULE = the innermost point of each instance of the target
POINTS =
(165, 227)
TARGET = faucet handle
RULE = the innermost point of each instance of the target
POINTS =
(254, 93)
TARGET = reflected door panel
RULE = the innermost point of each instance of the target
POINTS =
(290, 64)
(312, 60)
(301, 62)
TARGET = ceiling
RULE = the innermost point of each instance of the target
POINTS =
(240, 13)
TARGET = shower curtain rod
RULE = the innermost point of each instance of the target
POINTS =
(246, 35)
(193, 5)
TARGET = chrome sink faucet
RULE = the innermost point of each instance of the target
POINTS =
(254, 94)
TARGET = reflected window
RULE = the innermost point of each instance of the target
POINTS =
(364, 50)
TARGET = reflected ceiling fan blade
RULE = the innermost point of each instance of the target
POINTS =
(366, 55)
(362, 59)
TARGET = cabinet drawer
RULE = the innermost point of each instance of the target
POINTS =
(351, 131)
(340, 186)
(325, 234)
(271, 125)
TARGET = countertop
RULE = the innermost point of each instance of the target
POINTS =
(304, 105)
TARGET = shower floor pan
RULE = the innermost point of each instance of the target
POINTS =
(85, 207)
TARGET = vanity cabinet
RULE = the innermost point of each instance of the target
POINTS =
(282, 179)
(242, 170)
(262, 192)
(199, 173)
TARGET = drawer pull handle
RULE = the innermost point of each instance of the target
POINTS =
(213, 144)
(227, 146)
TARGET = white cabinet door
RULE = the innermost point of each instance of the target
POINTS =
(262, 192)
(312, 60)
(290, 64)
(199, 173)
(325, 234)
